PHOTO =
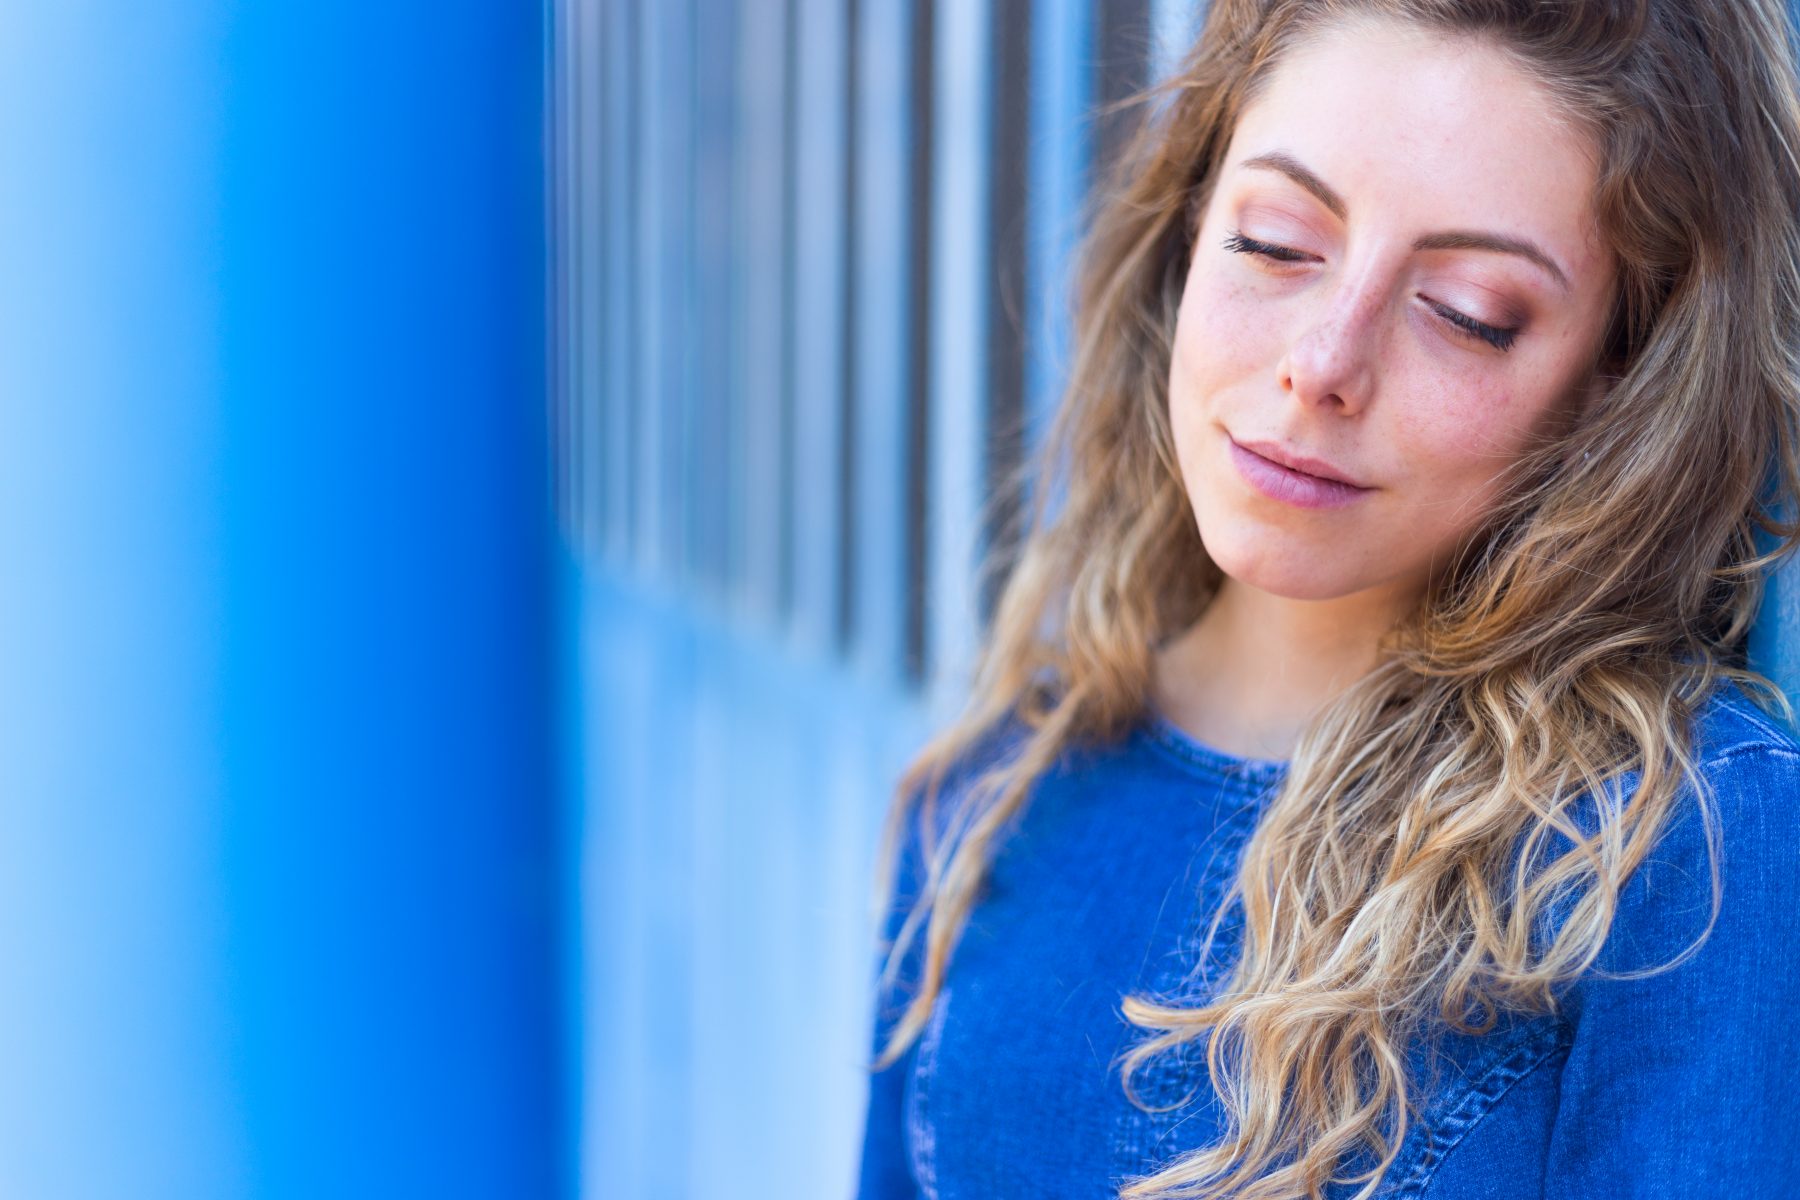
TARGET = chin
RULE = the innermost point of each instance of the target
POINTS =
(1304, 574)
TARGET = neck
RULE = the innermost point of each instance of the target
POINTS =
(1253, 672)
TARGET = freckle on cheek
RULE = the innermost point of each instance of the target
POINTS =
(1470, 422)
(1231, 329)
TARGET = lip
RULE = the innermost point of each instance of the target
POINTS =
(1295, 479)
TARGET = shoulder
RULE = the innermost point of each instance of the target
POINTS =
(1743, 757)
(1743, 835)
(1730, 724)
(1009, 772)
(1078, 761)
(934, 806)
(955, 773)
(1681, 1022)
(1748, 763)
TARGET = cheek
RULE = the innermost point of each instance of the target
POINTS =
(1223, 336)
(1459, 436)
(1224, 325)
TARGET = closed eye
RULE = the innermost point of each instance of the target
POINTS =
(1240, 244)
(1499, 339)
(1463, 324)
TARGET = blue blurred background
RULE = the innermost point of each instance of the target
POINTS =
(490, 495)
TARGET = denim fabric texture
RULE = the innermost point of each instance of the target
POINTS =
(1684, 1084)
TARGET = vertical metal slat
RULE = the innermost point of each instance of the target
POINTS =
(817, 332)
(622, 346)
(884, 389)
(717, 388)
(960, 298)
(762, 299)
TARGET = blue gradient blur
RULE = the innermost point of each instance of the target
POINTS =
(278, 886)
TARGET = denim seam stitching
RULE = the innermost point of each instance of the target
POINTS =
(1482, 1096)
(1775, 736)
(921, 1144)
(1731, 753)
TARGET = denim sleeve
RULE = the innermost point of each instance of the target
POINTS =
(1683, 1083)
(886, 1171)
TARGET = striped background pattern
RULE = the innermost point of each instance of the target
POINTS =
(809, 291)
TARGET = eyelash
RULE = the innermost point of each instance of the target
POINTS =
(1500, 339)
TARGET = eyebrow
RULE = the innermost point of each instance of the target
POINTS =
(1456, 239)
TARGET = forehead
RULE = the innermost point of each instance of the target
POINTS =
(1431, 131)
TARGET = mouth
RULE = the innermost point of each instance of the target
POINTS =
(1288, 484)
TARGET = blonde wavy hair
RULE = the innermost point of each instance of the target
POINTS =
(1612, 586)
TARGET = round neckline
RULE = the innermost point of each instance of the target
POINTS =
(1190, 750)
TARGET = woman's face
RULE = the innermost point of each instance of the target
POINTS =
(1398, 277)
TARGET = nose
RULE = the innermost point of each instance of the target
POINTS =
(1331, 362)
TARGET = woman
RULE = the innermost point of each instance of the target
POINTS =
(1362, 791)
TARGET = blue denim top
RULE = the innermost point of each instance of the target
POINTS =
(1684, 1083)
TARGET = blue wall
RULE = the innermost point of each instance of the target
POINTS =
(278, 886)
